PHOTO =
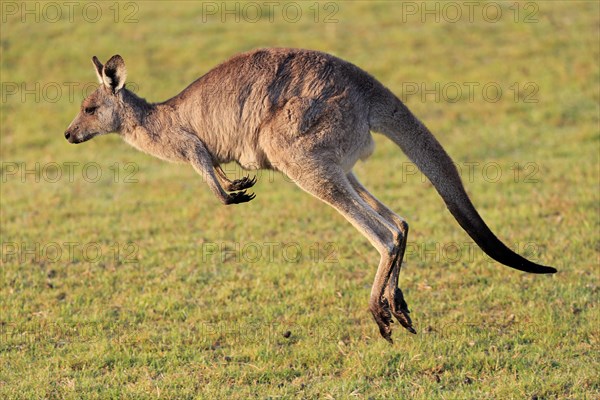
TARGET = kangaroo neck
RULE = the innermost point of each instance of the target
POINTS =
(134, 111)
(141, 120)
(152, 128)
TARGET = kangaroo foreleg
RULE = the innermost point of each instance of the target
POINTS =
(202, 162)
(237, 184)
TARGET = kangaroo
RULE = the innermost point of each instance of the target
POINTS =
(308, 115)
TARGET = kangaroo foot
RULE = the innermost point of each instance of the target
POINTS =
(240, 184)
(383, 317)
(400, 310)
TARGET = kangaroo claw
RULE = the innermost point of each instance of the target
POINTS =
(243, 183)
(239, 197)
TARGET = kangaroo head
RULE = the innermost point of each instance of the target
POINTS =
(102, 111)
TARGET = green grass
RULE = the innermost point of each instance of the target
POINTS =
(179, 304)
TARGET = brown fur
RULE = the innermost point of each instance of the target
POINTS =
(307, 114)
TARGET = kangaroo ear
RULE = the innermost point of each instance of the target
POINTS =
(98, 68)
(114, 73)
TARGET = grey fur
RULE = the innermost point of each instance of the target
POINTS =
(307, 114)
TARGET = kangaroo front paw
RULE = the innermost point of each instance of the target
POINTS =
(243, 183)
(239, 197)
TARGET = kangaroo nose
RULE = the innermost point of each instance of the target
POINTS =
(67, 135)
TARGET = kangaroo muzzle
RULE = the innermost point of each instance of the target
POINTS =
(75, 136)
(71, 136)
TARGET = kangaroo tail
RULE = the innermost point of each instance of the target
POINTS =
(389, 116)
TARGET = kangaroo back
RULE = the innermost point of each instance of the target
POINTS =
(392, 118)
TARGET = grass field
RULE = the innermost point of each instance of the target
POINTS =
(123, 277)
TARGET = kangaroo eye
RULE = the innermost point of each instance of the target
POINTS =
(90, 110)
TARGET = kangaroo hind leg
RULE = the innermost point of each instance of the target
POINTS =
(393, 294)
(330, 184)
